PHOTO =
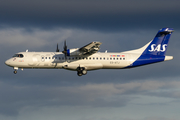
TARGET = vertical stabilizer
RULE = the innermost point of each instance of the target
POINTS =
(159, 44)
(155, 50)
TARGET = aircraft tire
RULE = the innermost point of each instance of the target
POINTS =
(84, 72)
(15, 72)
(79, 73)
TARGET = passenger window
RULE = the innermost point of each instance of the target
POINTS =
(120, 58)
(42, 57)
(114, 58)
(104, 58)
(49, 57)
(123, 58)
(46, 57)
(97, 58)
(110, 58)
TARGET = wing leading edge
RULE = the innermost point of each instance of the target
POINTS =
(90, 48)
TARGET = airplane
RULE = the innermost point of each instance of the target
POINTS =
(88, 58)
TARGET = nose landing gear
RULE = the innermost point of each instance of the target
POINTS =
(15, 71)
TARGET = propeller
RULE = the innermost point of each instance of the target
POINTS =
(65, 49)
(57, 49)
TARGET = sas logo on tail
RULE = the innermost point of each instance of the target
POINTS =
(158, 48)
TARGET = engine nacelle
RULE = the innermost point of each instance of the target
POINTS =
(73, 52)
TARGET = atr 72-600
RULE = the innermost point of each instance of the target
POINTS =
(88, 58)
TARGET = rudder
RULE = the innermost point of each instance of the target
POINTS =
(159, 44)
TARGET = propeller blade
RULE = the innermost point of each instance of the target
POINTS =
(65, 46)
(65, 50)
(57, 50)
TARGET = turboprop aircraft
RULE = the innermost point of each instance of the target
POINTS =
(88, 58)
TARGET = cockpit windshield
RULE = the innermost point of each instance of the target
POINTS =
(18, 55)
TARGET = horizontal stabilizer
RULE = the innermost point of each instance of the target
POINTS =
(168, 58)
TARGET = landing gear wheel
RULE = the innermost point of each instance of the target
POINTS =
(15, 72)
(84, 72)
(79, 73)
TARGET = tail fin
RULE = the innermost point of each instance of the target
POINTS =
(159, 44)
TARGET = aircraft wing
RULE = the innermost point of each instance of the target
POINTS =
(90, 48)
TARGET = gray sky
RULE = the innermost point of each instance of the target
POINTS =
(146, 93)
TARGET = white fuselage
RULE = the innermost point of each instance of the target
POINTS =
(57, 60)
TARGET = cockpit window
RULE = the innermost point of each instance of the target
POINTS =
(18, 55)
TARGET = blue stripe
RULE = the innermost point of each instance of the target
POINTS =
(146, 59)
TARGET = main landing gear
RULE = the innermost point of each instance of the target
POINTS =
(81, 71)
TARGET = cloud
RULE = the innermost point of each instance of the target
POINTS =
(159, 118)
(94, 15)
(102, 94)
(14, 98)
(32, 37)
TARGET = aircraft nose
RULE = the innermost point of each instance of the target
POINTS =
(7, 62)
